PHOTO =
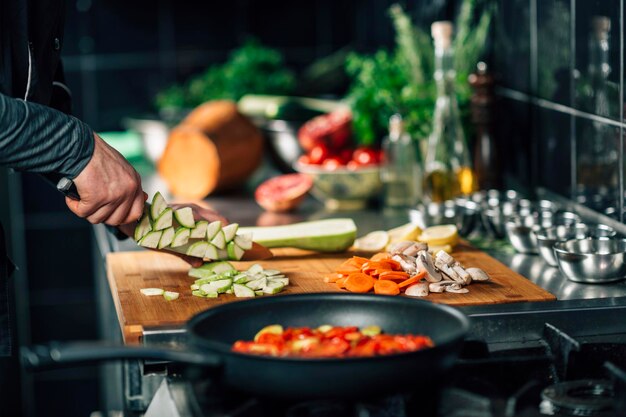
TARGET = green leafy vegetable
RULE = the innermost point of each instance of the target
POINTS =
(250, 69)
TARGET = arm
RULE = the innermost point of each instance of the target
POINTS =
(38, 139)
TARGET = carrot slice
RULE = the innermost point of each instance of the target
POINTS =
(386, 287)
(341, 283)
(393, 275)
(391, 264)
(359, 282)
(408, 282)
(359, 260)
(380, 256)
(347, 270)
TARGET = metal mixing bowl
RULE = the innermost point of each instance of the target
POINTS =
(546, 237)
(462, 213)
(519, 231)
(592, 260)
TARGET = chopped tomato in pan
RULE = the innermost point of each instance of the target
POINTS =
(329, 342)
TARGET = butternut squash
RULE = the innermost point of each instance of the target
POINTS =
(214, 148)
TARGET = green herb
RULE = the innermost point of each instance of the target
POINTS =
(401, 81)
(250, 69)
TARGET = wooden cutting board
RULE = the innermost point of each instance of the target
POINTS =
(128, 272)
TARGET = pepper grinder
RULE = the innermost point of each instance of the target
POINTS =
(486, 164)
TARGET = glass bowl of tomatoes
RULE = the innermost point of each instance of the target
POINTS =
(346, 180)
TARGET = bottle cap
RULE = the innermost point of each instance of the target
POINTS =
(442, 33)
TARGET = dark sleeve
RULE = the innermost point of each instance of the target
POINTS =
(39, 139)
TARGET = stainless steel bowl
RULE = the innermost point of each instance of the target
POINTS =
(520, 234)
(547, 236)
(592, 260)
(462, 213)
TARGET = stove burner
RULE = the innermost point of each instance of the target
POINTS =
(584, 397)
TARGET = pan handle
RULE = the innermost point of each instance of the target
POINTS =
(55, 355)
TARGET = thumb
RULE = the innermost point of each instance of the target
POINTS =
(72, 204)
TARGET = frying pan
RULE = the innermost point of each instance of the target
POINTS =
(212, 333)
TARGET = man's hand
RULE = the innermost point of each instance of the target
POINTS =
(109, 188)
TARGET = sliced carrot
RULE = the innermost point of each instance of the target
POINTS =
(380, 256)
(341, 283)
(386, 287)
(391, 264)
(359, 282)
(347, 270)
(359, 260)
(408, 282)
(393, 275)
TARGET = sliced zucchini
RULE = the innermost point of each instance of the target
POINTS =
(163, 221)
(219, 240)
(230, 230)
(283, 281)
(271, 272)
(207, 279)
(211, 252)
(244, 241)
(151, 240)
(219, 286)
(199, 232)
(194, 287)
(181, 237)
(273, 287)
(242, 291)
(170, 295)
(235, 253)
(184, 217)
(152, 291)
(158, 206)
(197, 293)
(259, 292)
(166, 238)
(257, 284)
(197, 249)
(143, 227)
(255, 269)
(217, 267)
(229, 291)
(222, 254)
(240, 278)
(212, 229)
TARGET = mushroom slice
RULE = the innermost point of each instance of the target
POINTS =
(424, 262)
(415, 248)
(417, 290)
(399, 247)
(445, 257)
(448, 271)
(462, 272)
(478, 274)
(406, 262)
(436, 287)
(457, 289)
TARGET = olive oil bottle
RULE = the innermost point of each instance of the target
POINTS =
(448, 171)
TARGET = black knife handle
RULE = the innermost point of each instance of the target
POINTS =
(68, 188)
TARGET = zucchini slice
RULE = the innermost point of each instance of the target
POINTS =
(243, 291)
(230, 230)
(151, 240)
(212, 229)
(244, 241)
(199, 232)
(235, 253)
(164, 220)
(219, 240)
(166, 238)
(158, 206)
(197, 249)
(181, 237)
(184, 217)
(143, 227)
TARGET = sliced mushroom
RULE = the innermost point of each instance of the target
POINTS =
(465, 276)
(415, 248)
(399, 247)
(448, 271)
(457, 289)
(445, 257)
(417, 290)
(424, 262)
(436, 287)
(478, 274)
(406, 262)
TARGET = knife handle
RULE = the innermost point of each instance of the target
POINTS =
(67, 187)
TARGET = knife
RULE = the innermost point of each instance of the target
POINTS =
(67, 187)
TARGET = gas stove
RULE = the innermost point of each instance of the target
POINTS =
(556, 375)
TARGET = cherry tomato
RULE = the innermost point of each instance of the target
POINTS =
(332, 163)
(365, 156)
(318, 154)
(345, 155)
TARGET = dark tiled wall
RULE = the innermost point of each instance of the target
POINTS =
(561, 69)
